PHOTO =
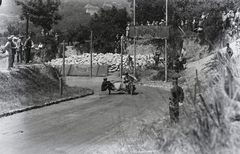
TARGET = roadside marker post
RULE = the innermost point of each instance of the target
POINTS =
(91, 50)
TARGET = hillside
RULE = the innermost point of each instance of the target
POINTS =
(73, 12)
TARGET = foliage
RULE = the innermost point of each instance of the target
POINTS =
(80, 34)
(42, 13)
(154, 10)
(10, 29)
(49, 51)
(106, 26)
(150, 10)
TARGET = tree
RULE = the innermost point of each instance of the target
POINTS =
(150, 10)
(42, 13)
(106, 26)
(10, 29)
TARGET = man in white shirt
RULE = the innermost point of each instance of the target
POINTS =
(8, 50)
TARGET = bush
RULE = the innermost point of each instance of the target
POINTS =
(49, 51)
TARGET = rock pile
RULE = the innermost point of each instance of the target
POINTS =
(110, 59)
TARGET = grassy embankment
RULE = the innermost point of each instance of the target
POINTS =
(209, 116)
(33, 86)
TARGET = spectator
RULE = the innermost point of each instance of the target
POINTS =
(162, 23)
(28, 45)
(231, 18)
(156, 59)
(194, 24)
(8, 50)
(40, 45)
(14, 49)
(203, 16)
(184, 52)
(224, 19)
(229, 51)
(20, 49)
(130, 61)
(177, 96)
(200, 26)
(237, 16)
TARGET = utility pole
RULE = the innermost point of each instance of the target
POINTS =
(63, 64)
(166, 56)
(134, 23)
(91, 50)
(121, 69)
(27, 23)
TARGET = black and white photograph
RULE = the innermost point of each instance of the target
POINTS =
(119, 76)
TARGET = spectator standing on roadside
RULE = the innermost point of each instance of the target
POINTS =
(20, 49)
(177, 96)
(28, 45)
(156, 59)
(8, 50)
(229, 51)
(130, 61)
(14, 49)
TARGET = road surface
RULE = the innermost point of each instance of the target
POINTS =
(100, 123)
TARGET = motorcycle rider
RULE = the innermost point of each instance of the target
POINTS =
(128, 79)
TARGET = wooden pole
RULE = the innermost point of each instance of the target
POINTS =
(135, 55)
(121, 69)
(60, 86)
(91, 50)
(166, 56)
(63, 65)
(134, 23)
(27, 23)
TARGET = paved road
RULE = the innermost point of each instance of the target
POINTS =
(87, 125)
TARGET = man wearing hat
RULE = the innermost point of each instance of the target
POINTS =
(28, 45)
(19, 49)
(14, 48)
(177, 96)
(8, 50)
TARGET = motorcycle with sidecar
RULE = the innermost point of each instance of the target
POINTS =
(118, 86)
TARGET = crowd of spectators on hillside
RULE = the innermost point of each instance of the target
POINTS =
(230, 20)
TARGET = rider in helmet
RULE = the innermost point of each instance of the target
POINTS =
(127, 79)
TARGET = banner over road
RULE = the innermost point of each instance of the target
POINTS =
(149, 32)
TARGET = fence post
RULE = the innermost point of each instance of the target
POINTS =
(63, 65)
(60, 86)
(63, 71)
(91, 51)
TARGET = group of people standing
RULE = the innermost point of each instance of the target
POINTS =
(17, 48)
(231, 19)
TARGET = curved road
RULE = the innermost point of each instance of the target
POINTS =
(100, 123)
